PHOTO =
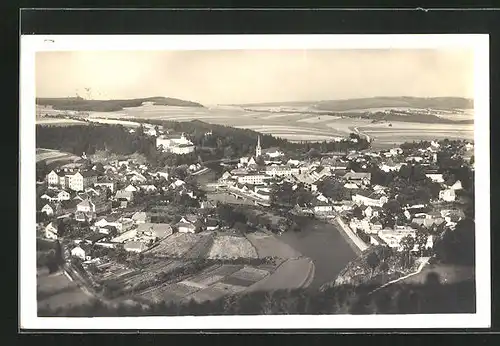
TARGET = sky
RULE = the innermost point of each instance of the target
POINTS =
(253, 76)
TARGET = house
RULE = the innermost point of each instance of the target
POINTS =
(427, 222)
(351, 186)
(369, 199)
(184, 227)
(80, 253)
(111, 185)
(94, 238)
(51, 209)
(447, 195)
(161, 174)
(80, 180)
(124, 195)
(174, 144)
(375, 227)
(121, 224)
(51, 231)
(392, 237)
(253, 179)
(140, 217)
(358, 178)
(138, 178)
(147, 188)
(225, 176)
(53, 178)
(436, 178)
(207, 205)
(457, 185)
(130, 188)
(368, 212)
(86, 206)
(154, 230)
(321, 206)
(108, 229)
(211, 224)
(273, 152)
(83, 216)
(135, 246)
(50, 195)
(395, 151)
(177, 183)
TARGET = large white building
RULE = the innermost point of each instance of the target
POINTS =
(175, 145)
(76, 182)
(252, 179)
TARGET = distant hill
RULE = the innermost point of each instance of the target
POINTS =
(80, 104)
(444, 103)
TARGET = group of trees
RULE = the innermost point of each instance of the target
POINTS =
(430, 297)
(333, 188)
(213, 142)
(288, 194)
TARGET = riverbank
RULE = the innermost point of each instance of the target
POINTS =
(361, 245)
(324, 245)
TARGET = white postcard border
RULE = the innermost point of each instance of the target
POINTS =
(30, 44)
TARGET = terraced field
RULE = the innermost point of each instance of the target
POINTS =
(226, 246)
(184, 245)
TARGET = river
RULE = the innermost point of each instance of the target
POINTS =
(324, 244)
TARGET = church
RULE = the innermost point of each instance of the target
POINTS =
(251, 161)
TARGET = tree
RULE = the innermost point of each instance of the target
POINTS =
(393, 207)
(373, 261)
(357, 212)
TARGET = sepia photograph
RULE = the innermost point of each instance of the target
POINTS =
(287, 181)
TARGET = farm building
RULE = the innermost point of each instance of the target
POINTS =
(140, 217)
(79, 253)
(51, 231)
(184, 227)
(135, 246)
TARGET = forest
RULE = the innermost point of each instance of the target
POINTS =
(81, 104)
(213, 142)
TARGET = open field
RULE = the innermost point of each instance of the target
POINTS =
(226, 246)
(57, 290)
(58, 121)
(292, 126)
(269, 246)
(50, 156)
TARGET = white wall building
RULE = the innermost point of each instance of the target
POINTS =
(174, 145)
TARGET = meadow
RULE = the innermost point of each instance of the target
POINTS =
(293, 126)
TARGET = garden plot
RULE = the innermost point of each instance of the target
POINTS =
(225, 246)
(172, 292)
(214, 292)
(250, 274)
(201, 248)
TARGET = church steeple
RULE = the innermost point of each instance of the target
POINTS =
(258, 149)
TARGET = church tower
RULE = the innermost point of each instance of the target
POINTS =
(258, 149)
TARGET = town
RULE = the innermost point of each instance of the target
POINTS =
(131, 231)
